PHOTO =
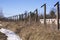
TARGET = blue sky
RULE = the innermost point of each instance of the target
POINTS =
(15, 7)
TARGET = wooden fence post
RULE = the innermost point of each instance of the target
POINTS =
(44, 13)
(57, 4)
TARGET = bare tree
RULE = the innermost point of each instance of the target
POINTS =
(52, 14)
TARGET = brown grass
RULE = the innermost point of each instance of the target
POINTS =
(34, 31)
(3, 36)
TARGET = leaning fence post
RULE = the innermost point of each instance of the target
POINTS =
(44, 13)
(57, 4)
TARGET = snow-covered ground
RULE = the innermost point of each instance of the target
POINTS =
(11, 35)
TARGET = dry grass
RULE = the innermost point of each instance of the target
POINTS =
(34, 31)
(3, 36)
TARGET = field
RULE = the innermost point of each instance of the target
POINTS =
(3, 36)
(33, 31)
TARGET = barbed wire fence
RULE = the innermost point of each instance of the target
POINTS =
(33, 16)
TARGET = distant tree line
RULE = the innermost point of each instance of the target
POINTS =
(1, 13)
(51, 14)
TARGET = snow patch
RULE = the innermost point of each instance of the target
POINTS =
(11, 35)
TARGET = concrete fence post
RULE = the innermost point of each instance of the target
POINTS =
(16, 17)
(36, 15)
(29, 17)
(19, 17)
(22, 17)
(44, 13)
(57, 5)
(25, 17)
